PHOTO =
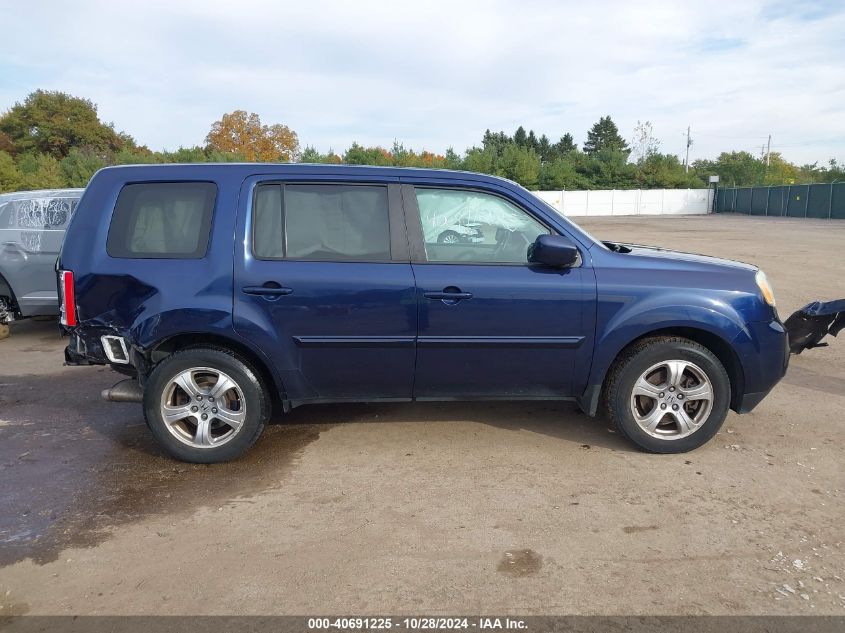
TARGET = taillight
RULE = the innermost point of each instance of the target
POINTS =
(67, 305)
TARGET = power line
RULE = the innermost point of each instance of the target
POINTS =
(729, 136)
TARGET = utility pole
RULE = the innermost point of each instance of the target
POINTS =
(769, 151)
(689, 142)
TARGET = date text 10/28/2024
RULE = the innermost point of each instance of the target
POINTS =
(417, 624)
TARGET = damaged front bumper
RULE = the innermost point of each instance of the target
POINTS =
(809, 325)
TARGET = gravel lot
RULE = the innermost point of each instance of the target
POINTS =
(438, 508)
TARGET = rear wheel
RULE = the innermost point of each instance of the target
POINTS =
(668, 394)
(205, 405)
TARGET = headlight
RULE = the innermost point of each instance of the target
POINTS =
(765, 288)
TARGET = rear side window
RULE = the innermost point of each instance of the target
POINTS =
(32, 212)
(321, 222)
(162, 220)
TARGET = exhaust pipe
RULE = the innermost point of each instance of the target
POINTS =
(125, 391)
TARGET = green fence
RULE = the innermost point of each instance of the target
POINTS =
(794, 201)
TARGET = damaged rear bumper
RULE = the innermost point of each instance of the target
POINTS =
(86, 346)
(809, 325)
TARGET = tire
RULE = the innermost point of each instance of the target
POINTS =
(671, 411)
(449, 237)
(183, 385)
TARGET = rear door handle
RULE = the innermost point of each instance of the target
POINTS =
(449, 296)
(267, 290)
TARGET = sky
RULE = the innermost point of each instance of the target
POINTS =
(437, 74)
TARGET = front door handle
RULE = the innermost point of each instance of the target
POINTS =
(269, 290)
(450, 295)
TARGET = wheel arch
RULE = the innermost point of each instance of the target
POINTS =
(10, 310)
(168, 346)
(7, 291)
(718, 345)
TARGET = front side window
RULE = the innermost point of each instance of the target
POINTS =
(321, 222)
(162, 220)
(474, 227)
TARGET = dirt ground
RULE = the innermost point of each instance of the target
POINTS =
(438, 508)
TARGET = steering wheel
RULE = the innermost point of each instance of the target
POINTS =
(510, 243)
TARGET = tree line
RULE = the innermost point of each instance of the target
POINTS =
(55, 140)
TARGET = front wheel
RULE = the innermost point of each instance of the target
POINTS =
(668, 394)
(448, 237)
(205, 405)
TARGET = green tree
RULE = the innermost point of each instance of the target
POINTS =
(128, 156)
(544, 148)
(608, 169)
(532, 141)
(451, 160)
(604, 135)
(79, 165)
(310, 155)
(519, 164)
(360, 155)
(562, 173)
(779, 172)
(481, 160)
(41, 171)
(495, 141)
(55, 122)
(665, 171)
(735, 169)
(834, 172)
(565, 145)
(11, 178)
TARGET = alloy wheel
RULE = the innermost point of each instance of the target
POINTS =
(672, 399)
(203, 407)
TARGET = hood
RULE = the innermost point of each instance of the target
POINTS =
(677, 256)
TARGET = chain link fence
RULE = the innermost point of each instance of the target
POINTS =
(793, 201)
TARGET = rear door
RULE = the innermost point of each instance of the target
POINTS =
(324, 286)
(491, 325)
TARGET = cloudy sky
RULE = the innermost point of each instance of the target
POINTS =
(434, 74)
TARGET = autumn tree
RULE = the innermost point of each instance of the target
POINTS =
(241, 133)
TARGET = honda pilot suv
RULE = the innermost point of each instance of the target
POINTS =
(225, 291)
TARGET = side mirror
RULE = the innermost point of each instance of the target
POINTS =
(556, 251)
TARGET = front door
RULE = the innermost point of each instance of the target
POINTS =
(324, 286)
(491, 325)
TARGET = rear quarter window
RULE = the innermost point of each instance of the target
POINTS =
(162, 220)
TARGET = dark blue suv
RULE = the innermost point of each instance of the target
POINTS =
(226, 290)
